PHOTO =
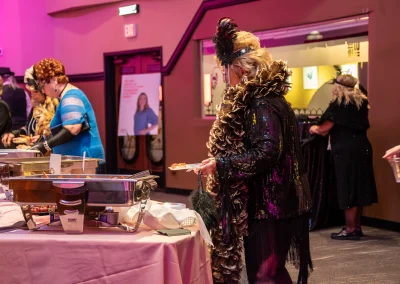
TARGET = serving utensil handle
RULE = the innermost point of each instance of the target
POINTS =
(71, 203)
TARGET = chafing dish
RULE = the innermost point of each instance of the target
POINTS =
(11, 166)
(75, 194)
(38, 165)
(17, 153)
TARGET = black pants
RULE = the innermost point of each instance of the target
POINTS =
(271, 242)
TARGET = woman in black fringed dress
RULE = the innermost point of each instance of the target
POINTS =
(346, 121)
(256, 167)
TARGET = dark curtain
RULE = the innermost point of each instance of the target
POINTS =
(319, 166)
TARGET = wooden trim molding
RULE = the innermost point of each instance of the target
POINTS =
(205, 6)
(99, 76)
(380, 223)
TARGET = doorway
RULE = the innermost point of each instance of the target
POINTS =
(131, 154)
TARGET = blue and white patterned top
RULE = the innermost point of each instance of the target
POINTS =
(73, 108)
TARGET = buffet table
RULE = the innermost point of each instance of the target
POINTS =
(108, 255)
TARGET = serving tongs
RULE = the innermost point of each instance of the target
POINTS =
(145, 183)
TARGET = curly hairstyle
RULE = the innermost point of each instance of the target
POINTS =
(345, 90)
(50, 68)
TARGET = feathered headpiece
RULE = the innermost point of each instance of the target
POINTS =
(31, 81)
(224, 42)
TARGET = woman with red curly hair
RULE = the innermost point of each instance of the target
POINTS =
(73, 127)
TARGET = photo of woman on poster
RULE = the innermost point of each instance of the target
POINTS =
(145, 119)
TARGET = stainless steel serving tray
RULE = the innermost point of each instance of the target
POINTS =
(17, 153)
(37, 165)
(102, 190)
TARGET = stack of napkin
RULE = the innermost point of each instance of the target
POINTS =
(163, 216)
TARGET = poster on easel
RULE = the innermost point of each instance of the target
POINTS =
(139, 104)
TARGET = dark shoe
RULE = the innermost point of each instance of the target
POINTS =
(344, 235)
(335, 234)
(359, 232)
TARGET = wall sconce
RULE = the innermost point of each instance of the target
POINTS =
(160, 93)
(207, 97)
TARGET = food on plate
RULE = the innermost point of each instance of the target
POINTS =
(178, 165)
(23, 139)
(43, 209)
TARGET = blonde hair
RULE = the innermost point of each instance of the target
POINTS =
(253, 61)
(1, 86)
(13, 82)
(43, 114)
(50, 68)
(345, 90)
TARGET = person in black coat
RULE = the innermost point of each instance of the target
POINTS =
(5, 115)
(17, 99)
(38, 123)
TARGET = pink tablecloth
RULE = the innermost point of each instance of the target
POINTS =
(102, 256)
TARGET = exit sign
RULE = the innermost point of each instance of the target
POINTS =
(127, 10)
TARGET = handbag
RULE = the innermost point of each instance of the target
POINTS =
(203, 203)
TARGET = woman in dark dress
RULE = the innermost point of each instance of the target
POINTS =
(256, 167)
(346, 121)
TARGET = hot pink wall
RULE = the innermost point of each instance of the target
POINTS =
(10, 33)
(26, 33)
(186, 133)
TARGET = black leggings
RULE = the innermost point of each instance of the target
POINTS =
(266, 249)
(268, 244)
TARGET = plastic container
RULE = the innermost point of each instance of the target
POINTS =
(395, 163)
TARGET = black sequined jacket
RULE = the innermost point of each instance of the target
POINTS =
(271, 163)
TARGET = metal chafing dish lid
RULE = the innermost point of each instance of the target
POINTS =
(7, 153)
(18, 151)
(46, 159)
